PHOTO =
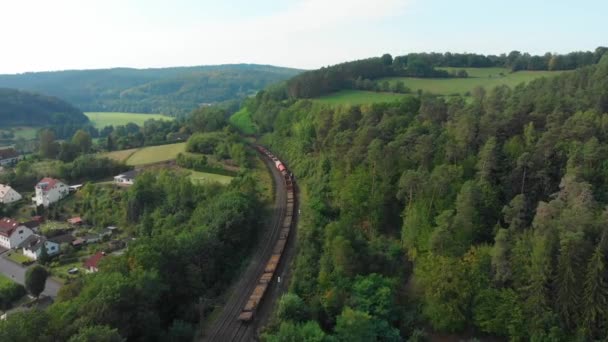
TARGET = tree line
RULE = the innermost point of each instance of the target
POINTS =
(350, 74)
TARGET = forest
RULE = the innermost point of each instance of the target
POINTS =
(355, 74)
(171, 91)
(30, 109)
(429, 215)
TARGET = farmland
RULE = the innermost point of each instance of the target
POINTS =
(147, 155)
(357, 97)
(103, 119)
(478, 77)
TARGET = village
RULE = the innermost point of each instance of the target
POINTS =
(68, 246)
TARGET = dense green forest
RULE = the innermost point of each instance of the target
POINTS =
(360, 74)
(433, 215)
(29, 109)
(173, 91)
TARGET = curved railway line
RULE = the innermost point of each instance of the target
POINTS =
(252, 297)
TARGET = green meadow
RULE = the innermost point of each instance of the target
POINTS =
(103, 119)
(478, 77)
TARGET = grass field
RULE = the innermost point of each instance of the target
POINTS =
(103, 119)
(478, 77)
(357, 97)
(121, 155)
(204, 177)
(242, 121)
(155, 154)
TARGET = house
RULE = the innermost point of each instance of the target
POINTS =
(8, 195)
(32, 246)
(49, 191)
(76, 221)
(9, 156)
(127, 178)
(92, 263)
(13, 233)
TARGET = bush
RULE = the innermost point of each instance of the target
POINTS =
(10, 292)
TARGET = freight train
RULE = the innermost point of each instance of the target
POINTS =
(257, 295)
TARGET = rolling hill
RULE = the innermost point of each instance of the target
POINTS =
(20, 108)
(172, 91)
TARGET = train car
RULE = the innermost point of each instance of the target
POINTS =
(265, 279)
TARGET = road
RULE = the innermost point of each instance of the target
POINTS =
(227, 327)
(16, 272)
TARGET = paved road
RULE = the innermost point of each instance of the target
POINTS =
(17, 273)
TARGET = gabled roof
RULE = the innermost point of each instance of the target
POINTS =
(8, 153)
(47, 183)
(5, 189)
(31, 224)
(33, 242)
(93, 261)
(8, 226)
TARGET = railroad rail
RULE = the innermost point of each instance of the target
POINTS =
(237, 321)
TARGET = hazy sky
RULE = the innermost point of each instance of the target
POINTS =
(39, 35)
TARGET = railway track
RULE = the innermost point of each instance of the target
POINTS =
(228, 327)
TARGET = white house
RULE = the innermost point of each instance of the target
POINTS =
(13, 233)
(8, 195)
(32, 246)
(49, 191)
(9, 156)
(127, 178)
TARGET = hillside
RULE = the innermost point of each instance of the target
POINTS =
(172, 91)
(484, 216)
(20, 108)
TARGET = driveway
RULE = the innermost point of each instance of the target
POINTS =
(16, 272)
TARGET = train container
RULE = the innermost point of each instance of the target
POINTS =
(266, 278)
(281, 167)
(287, 221)
(251, 304)
(284, 233)
(258, 292)
(245, 316)
(271, 266)
(279, 246)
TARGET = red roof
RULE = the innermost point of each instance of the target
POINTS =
(50, 183)
(8, 226)
(93, 261)
(75, 220)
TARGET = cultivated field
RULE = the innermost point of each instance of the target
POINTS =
(242, 121)
(155, 154)
(103, 119)
(478, 77)
(357, 97)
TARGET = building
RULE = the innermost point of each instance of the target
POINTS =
(8, 195)
(75, 221)
(9, 157)
(13, 233)
(127, 178)
(92, 263)
(49, 191)
(32, 246)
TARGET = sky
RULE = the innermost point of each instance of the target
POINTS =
(43, 35)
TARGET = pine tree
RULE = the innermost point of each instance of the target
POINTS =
(595, 296)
